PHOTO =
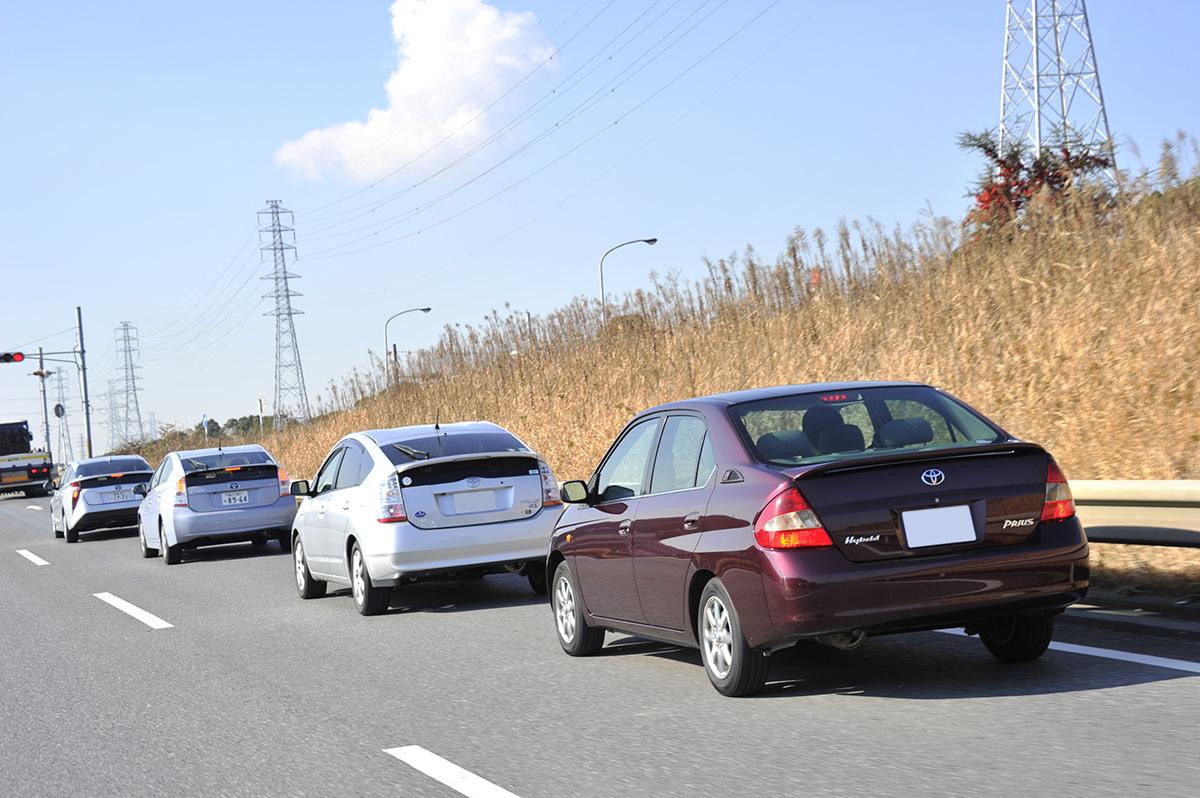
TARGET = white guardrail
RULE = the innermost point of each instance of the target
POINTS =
(1149, 512)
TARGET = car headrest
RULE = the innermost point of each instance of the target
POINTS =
(841, 438)
(785, 444)
(817, 418)
(904, 432)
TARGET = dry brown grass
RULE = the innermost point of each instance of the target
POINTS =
(1083, 335)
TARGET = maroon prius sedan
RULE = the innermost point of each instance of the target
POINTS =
(743, 523)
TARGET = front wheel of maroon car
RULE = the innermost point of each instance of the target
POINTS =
(732, 666)
(574, 635)
(1019, 638)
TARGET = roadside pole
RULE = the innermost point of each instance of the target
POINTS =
(42, 374)
(83, 381)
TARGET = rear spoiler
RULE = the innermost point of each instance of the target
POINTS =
(940, 455)
(95, 477)
(454, 458)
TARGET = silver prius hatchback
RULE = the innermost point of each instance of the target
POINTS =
(213, 496)
(97, 493)
(398, 505)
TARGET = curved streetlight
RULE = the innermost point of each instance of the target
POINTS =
(387, 352)
(603, 302)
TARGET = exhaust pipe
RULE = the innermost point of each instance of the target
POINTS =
(846, 641)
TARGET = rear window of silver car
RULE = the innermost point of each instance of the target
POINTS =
(203, 462)
(424, 448)
(117, 465)
(835, 425)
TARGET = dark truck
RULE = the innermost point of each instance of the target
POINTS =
(20, 468)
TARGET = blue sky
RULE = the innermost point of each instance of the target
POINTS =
(140, 139)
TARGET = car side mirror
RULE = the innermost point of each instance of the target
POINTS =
(574, 492)
(140, 489)
(300, 488)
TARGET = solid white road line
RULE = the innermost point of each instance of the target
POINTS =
(461, 781)
(153, 621)
(33, 558)
(1184, 665)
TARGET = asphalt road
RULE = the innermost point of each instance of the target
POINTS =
(252, 691)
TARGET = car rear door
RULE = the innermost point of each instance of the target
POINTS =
(603, 546)
(671, 517)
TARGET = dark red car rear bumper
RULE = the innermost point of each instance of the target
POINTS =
(815, 592)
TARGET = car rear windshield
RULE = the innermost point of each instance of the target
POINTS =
(835, 425)
(118, 465)
(202, 462)
(449, 445)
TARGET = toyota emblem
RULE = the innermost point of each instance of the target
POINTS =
(233, 486)
(472, 482)
(933, 476)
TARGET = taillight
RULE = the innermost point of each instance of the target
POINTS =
(550, 497)
(74, 494)
(285, 485)
(787, 522)
(181, 499)
(1059, 504)
(391, 503)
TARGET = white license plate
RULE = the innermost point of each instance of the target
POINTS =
(233, 497)
(938, 526)
(118, 496)
(475, 501)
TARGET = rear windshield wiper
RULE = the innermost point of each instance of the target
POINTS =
(199, 465)
(415, 454)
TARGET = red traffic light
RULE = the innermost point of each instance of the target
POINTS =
(11, 357)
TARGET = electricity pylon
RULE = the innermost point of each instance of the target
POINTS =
(291, 398)
(129, 415)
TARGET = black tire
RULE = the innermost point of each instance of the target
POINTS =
(172, 555)
(306, 586)
(1019, 638)
(147, 552)
(58, 533)
(72, 535)
(258, 541)
(570, 622)
(284, 539)
(34, 493)
(536, 574)
(732, 666)
(368, 599)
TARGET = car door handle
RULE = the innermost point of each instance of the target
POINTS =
(623, 528)
(346, 504)
(691, 521)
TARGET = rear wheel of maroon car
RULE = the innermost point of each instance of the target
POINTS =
(574, 635)
(1018, 638)
(732, 666)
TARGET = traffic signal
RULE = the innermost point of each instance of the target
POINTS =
(11, 357)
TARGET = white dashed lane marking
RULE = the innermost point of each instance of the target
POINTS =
(33, 507)
(1184, 665)
(134, 611)
(33, 558)
(462, 781)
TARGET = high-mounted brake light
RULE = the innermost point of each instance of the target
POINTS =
(233, 468)
(834, 397)
(181, 497)
(1059, 504)
(550, 497)
(391, 503)
(285, 485)
(787, 522)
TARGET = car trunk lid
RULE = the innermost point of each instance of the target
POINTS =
(469, 490)
(896, 506)
(232, 487)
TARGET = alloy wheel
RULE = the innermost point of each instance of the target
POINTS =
(718, 637)
(298, 555)
(564, 609)
(357, 578)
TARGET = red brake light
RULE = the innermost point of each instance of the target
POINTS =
(285, 485)
(1059, 503)
(181, 498)
(550, 497)
(74, 494)
(391, 502)
(787, 522)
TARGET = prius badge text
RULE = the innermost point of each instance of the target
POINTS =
(1011, 522)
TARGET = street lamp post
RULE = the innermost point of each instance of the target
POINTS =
(388, 357)
(603, 302)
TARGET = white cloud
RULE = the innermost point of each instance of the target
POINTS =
(446, 51)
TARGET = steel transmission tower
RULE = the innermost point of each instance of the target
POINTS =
(291, 398)
(66, 451)
(129, 414)
(1050, 86)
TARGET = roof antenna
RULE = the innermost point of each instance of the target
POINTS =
(437, 414)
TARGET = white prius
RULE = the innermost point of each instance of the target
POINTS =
(398, 505)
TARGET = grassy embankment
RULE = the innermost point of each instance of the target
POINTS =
(1081, 334)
